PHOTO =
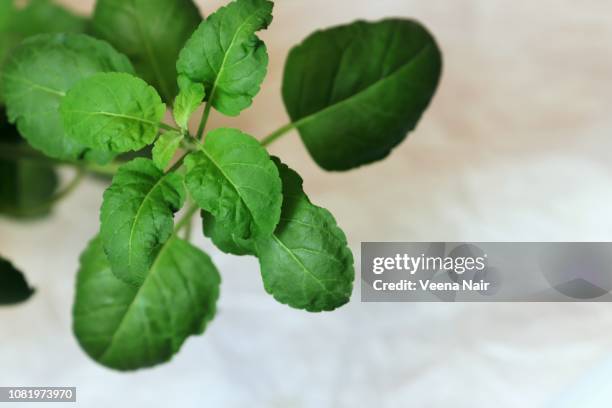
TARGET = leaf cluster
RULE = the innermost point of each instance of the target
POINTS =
(352, 92)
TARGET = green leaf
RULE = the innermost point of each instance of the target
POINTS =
(37, 17)
(7, 12)
(24, 184)
(13, 286)
(306, 264)
(189, 98)
(44, 16)
(233, 178)
(8, 40)
(165, 148)
(227, 57)
(222, 236)
(38, 75)
(151, 33)
(112, 112)
(355, 91)
(137, 217)
(126, 327)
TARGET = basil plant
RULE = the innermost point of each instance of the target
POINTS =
(114, 95)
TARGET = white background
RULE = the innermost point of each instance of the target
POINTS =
(516, 146)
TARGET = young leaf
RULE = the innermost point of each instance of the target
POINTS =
(306, 264)
(13, 286)
(129, 327)
(165, 148)
(189, 98)
(137, 217)
(227, 57)
(355, 91)
(151, 33)
(38, 75)
(112, 112)
(24, 184)
(233, 178)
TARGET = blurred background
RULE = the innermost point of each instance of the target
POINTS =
(515, 147)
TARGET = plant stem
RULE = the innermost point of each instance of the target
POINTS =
(189, 145)
(70, 187)
(186, 218)
(277, 134)
(203, 121)
(101, 169)
(54, 199)
(16, 152)
(168, 127)
(185, 221)
(178, 163)
(188, 229)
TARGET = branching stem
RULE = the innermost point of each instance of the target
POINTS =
(185, 221)
(186, 218)
(188, 228)
(21, 151)
(277, 134)
(168, 127)
(55, 198)
(203, 121)
(70, 187)
(16, 152)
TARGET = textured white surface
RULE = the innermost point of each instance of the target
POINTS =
(516, 146)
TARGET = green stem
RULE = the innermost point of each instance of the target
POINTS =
(70, 187)
(105, 170)
(185, 221)
(55, 198)
(190, 144)
(168, 127)
(277, 134)
(16, 152)
(204, 120)
(188, 229)
(178, 163)
(186, 218)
